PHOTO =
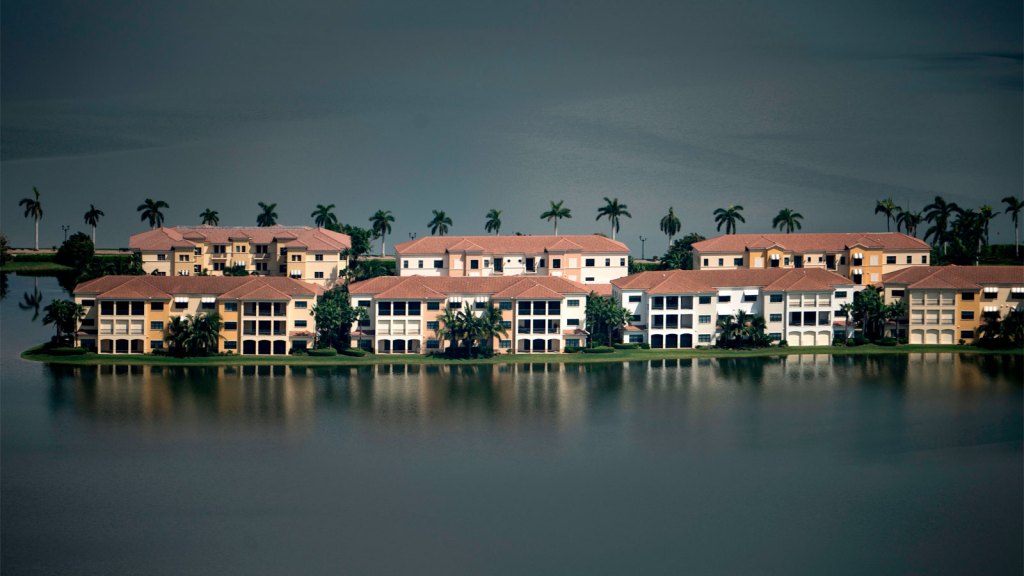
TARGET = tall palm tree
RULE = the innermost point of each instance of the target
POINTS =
(33, 210)
(1013, 206)
(448, 326)
(324, 216)
(985, 215)
(268, 216)
(556, 212)
(493, 221)
(381, 222)
(210, 217)
(940, 213)
(65, 316)
(908, 221)
(670, 224)
(788, 220)
(728, 217)
(888, 208)
(491, 325)
(613, 211)
(150, 210)
(847, 309)
(92, 218)
(440, 223)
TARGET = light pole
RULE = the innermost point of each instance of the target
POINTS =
(65, 228)
(412, 235)
(642, 241)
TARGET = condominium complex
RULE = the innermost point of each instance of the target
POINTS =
(261, 315)
(861, 257)
(681, 308)
(946, 304)
(311, 254)
(590, 259)
(541, 314)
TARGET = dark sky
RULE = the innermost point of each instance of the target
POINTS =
(823, 107)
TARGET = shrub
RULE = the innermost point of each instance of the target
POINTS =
(299, 352)
(323, 352)
(599, 350)
(626, 346)
(573, 349)
(645, 346)
(886, 341)
(66, 351)
(783, 344)
(356, 352)
(859, 339)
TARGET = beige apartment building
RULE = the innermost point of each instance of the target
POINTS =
(260, 314)
(861, 257)
(301, 252)
(947, 304)
(590, 259)
(542, 314)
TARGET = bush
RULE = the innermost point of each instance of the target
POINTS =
(573, 349)
(24, 257)
(599, 350)
(299, 352)
(783, 344)
(323, 352)
(626, 346)
(356, 352)
(859, 339)
(645, 346)
(839, 341)
(886, 341)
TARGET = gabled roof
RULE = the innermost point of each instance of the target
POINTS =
(315, 239)
(439, 287)
(810, 242)
(710, 281)
(956, 277)
(224, 287)
(592, 243)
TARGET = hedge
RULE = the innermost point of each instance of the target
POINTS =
(323, 352)
(357, 352)
(599, 350)
(573, 349)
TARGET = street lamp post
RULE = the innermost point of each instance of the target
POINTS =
(642, 241)
(65, 228)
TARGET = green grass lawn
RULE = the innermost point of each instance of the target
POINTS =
(15, 266)
(617, 356)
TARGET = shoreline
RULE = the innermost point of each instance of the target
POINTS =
(92, 359)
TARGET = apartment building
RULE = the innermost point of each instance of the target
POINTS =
(681, 308)
(260, 314)
(542, 314)
(301, 252)
(946, 304)
(861, 257)
(590, 259)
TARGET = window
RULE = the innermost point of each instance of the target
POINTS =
(480, 305)
(504, 343)
(207, 305)
(658, 303)
(524, 307)
(898, 293)
(924, 259)
(635, 298)
(750, 297)
(300, 304)
(88, 322)
(725, 298)
(634, 318)
(405, 263)
(161, 257)
(705, 261)
(487, 263)
(506, 324)
(398, 308)
(704, 338)
(622, 261)
(967, 334)
(672, 303)
(967, 315)
(284, 251)
(967, 296)
(383, 308)
(433, 325)
(231, 325)
(737, 261)
(156, 325)
(474, 264)
(414, 309)
(433, 344)
(438, 263)
(261, 266)
(776, 298)
(607, 261)
(890, 259)
(572, 303)
(554, 308)
(775, 336)
(572, 322)
(795, 318)
(775, 317)
(318, 257)
(88, 302)
(156, 306)
(156, 344)
(262, 248)
(658, 321)
(636, 338)
(300, 323)
(556, 263)
(455, 304)
(704, 319)
(433, 305)
(231, 306)
(231, 344)
(180, 305)
(588, 279)
(419, 263)
(721, 261)
(539, 308)
(910, 259)
(318, 275)
(505, 305)
(824, 318)
(840, 293)
(704, 299)
(182, 257)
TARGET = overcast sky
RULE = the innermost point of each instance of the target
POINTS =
(410, 106)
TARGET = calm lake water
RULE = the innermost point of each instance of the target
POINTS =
(808, 465)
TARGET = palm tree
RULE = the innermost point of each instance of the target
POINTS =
(493, 221)
(848, 310)
(888, 208)
(324, 216)
(381, 222)
(1013, 206)
(150, 210)
(202, 334)
(728, 329)
(787, 220)
(177, 331)
(670, 224)
(65, 316)
(556, 212)
(92, 218)
(439, 223)
(210, 217)
(448, 326)
(612, 210)
(268, 217)
(491, 325)
(34, 210)
(728, 216)
(909, 221)
(985, 215)
(940, 213)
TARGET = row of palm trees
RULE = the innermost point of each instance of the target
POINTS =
(465, 330)
(947, 219)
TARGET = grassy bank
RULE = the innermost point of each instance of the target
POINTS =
(15, 266)
(616, 356)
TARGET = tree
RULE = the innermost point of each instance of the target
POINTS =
(787, 220)
(940, 213)
(493, 223)
(235, 270)
(491, 326)
(728, 217)
(888, 208)
(360, 238)
(986, 214)
(267, 216)
(909, 221)
(381, 225)
(203, 333)
(324, 215)
(670, 224)
(33, 210)
(65, 316)
(680, 253)
(440, 223)
(92, 218)
(177, 332)
(869, 312)
(728, 329)
(846, 311)
(334, 316)
(613, 211)
(448, 327)
(966, 238)
(5, 249)
(555, 213)
(76, 252)
(150, 210)
(604, 318)
(210, 217)
(1013, 207)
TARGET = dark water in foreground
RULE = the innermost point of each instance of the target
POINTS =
(811, 465)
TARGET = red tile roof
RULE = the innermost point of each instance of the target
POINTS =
(708, 281)
(438, 287)
(956, 277)
(224, 287)
(592, 243)
(314, 239)
(802, 243)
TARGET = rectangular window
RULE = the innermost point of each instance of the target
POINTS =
(414, 309)
(455, 304)
(554, 308)
(505, 305)
(658, 303)
(622, 261)
(775, 336)
(890, 259)
(504, 343)
(635, 318)
(161, 257)
(705, 319)
(180, 305)
(967, 315)
(398, 308)
(967, 296)
(156, 325)
(572, 303)
(433, 344)
(480, 305)
(438, 263)
(506, 324)
(300, 304)
(405, 263)
(737, 261)
(672, 303)
(705, 262)
(231, 325)
(724, 298)
(658, 321)
(156, 306)
(824, 318)
(318, 275)
(750, 297)
(539, 307)
(231, 306)
(474, 264)
(207, 305)
(636, 338)
(588, 279)
(572, 322)
(231, 344)
(704, 338)
(910, 259)
(300, 323)
(318, 257)
(87, 303)
(967, 334)
(524, 306)
(607, 261)
(775, 317)
(433, 305)
(635, 298)
(383, 308)
(156, 344)
(795, 318)
(433, 325)
(924, 259)
(776, 298)
(539, 326)
(721, 261)
(556, 263)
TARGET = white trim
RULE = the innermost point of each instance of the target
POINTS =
(990, 309)
(1017, 290)
(208, 299)
(181, 299)
(992, 290)
(754, 292)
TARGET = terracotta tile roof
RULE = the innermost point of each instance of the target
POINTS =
(439, 287)
(316, 239)
(224, 287)
(512, 244)
(957, 277)
(601, 289)
(709, 281)
(802, 243)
